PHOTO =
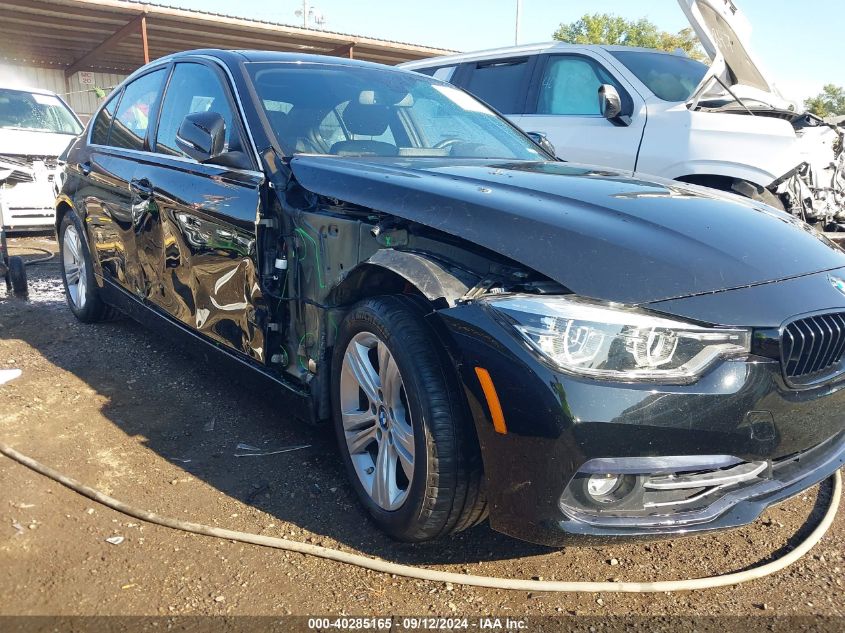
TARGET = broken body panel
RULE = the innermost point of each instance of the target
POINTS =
(259, 268)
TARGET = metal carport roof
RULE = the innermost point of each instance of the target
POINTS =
(120, 35)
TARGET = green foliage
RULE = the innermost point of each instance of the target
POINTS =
(831, 102)
(606, 28)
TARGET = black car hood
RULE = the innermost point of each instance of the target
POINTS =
(600, 233)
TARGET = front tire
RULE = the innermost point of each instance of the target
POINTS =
(78, 273)
(399, 416)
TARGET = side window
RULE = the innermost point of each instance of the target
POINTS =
(571, 86)
(444, 73)
(193, 88)
(133, 114)
(500, 83)
(102, 124)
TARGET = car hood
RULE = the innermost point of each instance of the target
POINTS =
(600, 233)
(725, 35)
(33, 143)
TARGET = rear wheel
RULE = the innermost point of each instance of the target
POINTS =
(400, 420)
(78, 274)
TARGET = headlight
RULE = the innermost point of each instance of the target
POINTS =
(613, 342)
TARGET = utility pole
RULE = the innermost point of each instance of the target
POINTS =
(518, 17)
(309, 13)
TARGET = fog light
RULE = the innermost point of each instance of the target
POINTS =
(602, 486)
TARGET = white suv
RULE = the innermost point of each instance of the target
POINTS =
(36, 126)
(724, 126)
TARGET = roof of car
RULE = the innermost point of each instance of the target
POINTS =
(233, 57)
(526, 49)
(30, 89)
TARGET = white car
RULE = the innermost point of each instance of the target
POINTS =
(36, 126)
(724, 126)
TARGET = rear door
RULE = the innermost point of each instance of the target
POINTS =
(118, 138)
(564, 105)
(195, 231)
(501, 83)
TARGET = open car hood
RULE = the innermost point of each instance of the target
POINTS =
(599, 233)
(725, 34)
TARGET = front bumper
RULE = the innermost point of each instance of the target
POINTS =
(30, 205)
(556, 423)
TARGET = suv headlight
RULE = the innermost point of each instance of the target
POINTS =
(614, 342)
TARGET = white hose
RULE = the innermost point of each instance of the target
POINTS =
(442, 576)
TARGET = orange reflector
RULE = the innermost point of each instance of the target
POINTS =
(492, 400)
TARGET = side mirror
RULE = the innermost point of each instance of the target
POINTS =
(202, 136)
(543, 142)
(610, 105)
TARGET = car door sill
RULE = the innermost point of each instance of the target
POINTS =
(298, 401)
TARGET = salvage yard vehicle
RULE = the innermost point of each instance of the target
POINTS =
(724, 126)
(576, 352)
(36, 126)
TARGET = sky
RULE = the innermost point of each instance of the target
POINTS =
(802, 46)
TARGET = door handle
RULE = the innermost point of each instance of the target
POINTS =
(143, 188)
(85, 168)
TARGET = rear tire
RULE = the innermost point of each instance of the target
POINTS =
(407, 423)
(17, 276)
(78, 273)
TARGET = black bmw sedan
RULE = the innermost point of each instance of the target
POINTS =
(574, 352)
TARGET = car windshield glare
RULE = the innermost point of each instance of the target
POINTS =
(34, 112)
(670, 77)
(359, 111)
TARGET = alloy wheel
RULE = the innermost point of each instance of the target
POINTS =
(74, 267)
(377, 421)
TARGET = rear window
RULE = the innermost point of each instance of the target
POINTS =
(34, 112)
(670, 77)
(500, 84)
(133, 114)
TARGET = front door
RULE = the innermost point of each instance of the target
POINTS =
(195, 225)
(567, 112)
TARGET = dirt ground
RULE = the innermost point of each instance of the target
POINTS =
(134, 415)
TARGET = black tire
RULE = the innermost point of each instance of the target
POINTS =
(446, 492)
(93, 309)
(17, 276)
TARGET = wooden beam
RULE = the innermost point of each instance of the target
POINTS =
(130, 28)
(145, 46)
(341, 51)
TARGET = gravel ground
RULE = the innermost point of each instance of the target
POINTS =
(120, 409)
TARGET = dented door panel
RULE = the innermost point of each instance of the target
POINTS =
(196, 245)
(106, 203)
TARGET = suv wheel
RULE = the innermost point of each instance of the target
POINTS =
(409, 449)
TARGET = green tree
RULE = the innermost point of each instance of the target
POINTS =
(606, 28)
(831, 102)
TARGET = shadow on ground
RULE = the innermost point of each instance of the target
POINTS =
(195, 416)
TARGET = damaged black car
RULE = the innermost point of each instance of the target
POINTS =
(575, 353)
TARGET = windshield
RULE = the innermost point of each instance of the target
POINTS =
(355, 111)
(33, 112)
(670, 77)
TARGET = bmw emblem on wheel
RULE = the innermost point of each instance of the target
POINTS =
(837, 282)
